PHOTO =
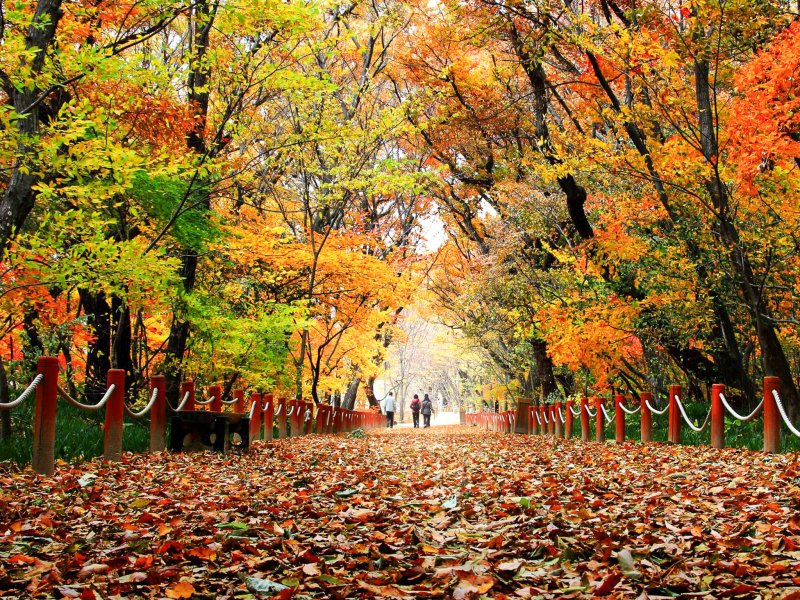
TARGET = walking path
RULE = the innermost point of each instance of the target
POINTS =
(446, 512)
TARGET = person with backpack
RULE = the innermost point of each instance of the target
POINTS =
(388, 408)
(416, 405)
(427, 409)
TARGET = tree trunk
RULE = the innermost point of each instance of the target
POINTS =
(755, 296)
(5, 398)
(98, 358)
(18, 200)
(198, 101)
(121, 344)
(349, 400)
(544, 368)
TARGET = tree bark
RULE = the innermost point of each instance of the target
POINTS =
(98, 358)
(773, 357)
(198, 101)
(18, 200)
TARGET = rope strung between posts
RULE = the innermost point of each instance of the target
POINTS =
(605, 413)
(784, 416)
(266, 406)
(538, 418)
(146, 409)
(544, 416)
(328, 420)
(231, 401)
(736, 415)
(560, 415)
(655, 410)
(253, 410)
(183, 402)
(291, 411)
(688, 421)
(205, 402)
(25, 393)
(628, 411)
(77, 404)
(277, 412)
(589, 411)
(575, 411)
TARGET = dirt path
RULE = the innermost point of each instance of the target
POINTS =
(440, 513)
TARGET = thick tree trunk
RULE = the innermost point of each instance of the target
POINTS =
(5, 398)
(121, 343)
(754, 295)
(349, 399)
(198, 100)
(544, 368)
(98, 358)
(18, 200)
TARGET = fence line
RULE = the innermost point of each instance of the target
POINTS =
(547, 420)
(259, 410)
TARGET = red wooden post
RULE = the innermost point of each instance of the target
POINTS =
(310, 407)
(112, 446)
(647, 417)
(674, 414)
(559, 425)
(772, 418)
(238, 407)
(158, 413)
(717, 416)
(584, 419)
(280, 414)
(619, 419)
(188, 386)
(320, 421)
(543, 419)
(255, 409)
(44, 423)
(531, 420)
(216, 392)
(599, 421)
(269, 416)
(568, 417)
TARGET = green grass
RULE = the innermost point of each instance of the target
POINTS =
(79, 434)
(748, 435)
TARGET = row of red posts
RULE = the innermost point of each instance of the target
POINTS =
(558, 419)
(263, 410)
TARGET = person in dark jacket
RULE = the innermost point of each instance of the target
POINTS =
(416, 405)
(427, 409)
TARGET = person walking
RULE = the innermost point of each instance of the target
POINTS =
(416, 405)
(427, 409)
(388, 408)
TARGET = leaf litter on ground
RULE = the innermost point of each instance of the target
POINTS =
(440, 513)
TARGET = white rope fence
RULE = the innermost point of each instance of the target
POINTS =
(64, 394)
(183, 402)
(146, 409)
(784, 416)
(655, 410)
(589, 411)
(560, 414)
(205, 402)
(576, 412)
(736, 415)
(231, 401)
(628, 411)
(280, 407)
(25, 393)
(686, 418)
(605, 414)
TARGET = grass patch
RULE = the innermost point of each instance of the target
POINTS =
(79, 434)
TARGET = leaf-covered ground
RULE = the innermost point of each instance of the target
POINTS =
(439, 513)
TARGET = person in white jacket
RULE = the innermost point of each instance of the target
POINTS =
(388, 408)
